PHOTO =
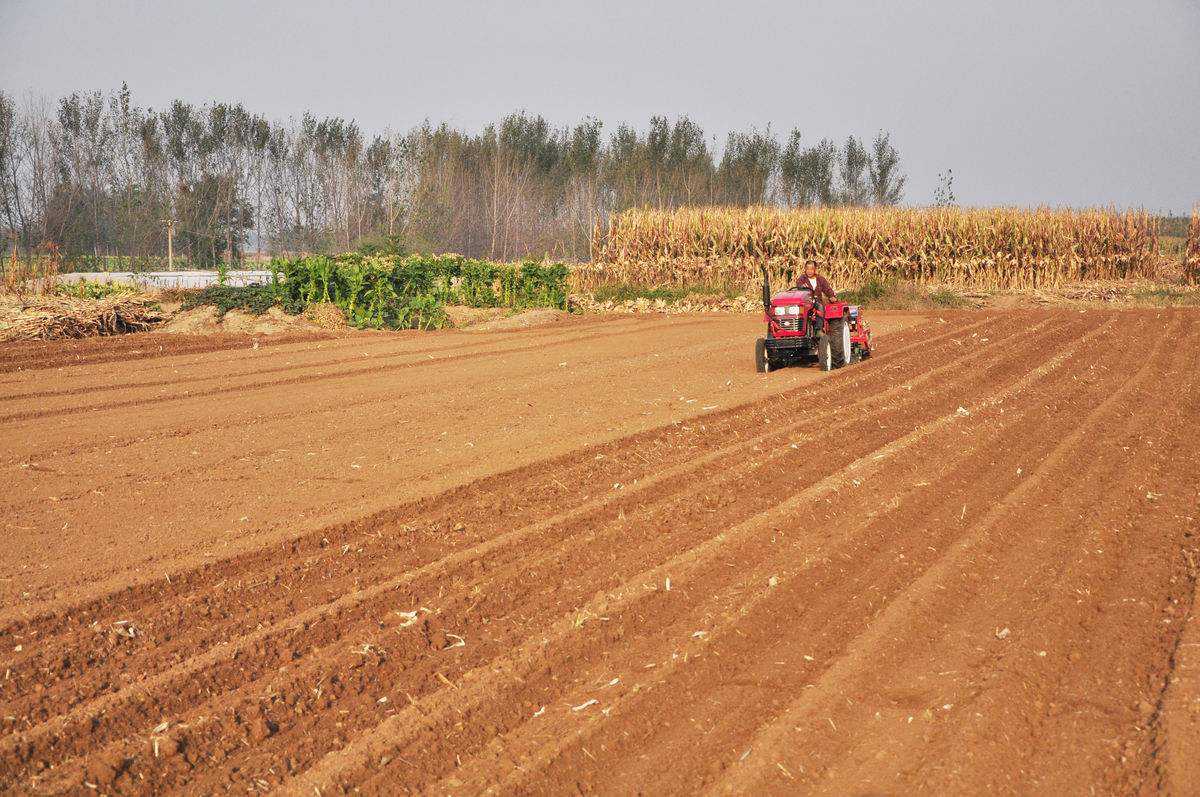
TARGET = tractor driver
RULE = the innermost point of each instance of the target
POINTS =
(810, 280)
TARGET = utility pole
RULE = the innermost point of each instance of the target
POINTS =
(170, 243)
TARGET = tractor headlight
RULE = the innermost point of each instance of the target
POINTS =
(780, 310)
(794, 310)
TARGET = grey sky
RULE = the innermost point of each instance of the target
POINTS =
(1076, 103)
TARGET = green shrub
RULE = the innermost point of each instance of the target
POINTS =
(542, 285)
(390, 291)
(477, 285)
(254, 299)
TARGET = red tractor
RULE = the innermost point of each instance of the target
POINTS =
(800, 329)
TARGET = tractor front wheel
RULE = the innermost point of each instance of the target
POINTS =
(824, 353)
(762, 360)
(839, 340)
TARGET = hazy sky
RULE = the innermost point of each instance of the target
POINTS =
(1029, 102)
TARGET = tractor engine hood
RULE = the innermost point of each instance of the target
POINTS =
(790, 306)
(793, 297)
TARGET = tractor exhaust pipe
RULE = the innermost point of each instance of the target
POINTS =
(766, 290)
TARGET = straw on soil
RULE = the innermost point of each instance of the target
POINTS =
(326, 315)
(48, 317)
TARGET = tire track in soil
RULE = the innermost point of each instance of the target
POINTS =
(363, 348)
(564, 625)
(368, 485)
(1054, 472)
(564, 468)
(140, 351)
(1133, 564)
(339, 409)
(241, 608)
(309, 379)
(1118, 751)
(567, 728)
(645, 577)
(21, 358)
(148, 439)
(516, 616)
(1175, 726)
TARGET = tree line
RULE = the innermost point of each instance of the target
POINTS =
(98, 175)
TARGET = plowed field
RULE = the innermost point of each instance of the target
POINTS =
(607, 557)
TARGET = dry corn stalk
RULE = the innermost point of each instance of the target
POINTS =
(37, 272)
(48, 317)
(994, 248)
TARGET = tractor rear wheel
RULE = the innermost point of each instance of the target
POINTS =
(762, 360)
(839, 340)
(824, 353)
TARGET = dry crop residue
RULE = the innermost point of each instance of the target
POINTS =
(624, 562)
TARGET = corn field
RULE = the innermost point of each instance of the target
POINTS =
(1191, 268)
(996, 248)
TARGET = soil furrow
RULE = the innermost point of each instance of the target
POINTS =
(221, 673)
(271, 573)
(644, 455)
(816, 558)
(960, 566)
(679, 568)
(375, 370)
(771, 743)
(320, 359)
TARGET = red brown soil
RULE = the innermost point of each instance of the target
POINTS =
(605, 556)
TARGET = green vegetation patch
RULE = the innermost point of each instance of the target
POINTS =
(253, 299)
(386, 291)
(626, 292)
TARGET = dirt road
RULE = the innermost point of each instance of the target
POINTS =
(606, 556)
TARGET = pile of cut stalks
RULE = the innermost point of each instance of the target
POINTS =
(50, 317)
